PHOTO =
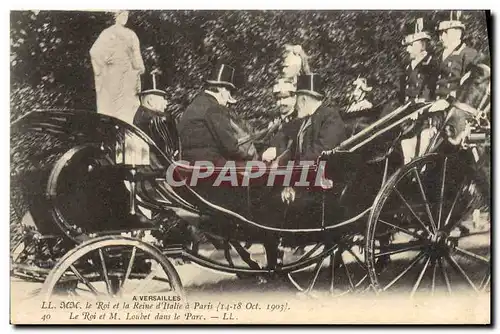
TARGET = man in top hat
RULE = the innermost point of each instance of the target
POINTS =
(207, 131)
(151, 117)
(317, 127)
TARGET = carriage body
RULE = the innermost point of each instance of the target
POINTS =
(75, 172)
(89, 175)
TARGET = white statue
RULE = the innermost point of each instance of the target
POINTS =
(295, 62)
(118, 65)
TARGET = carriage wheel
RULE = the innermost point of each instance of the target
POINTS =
(113, 266)
(420, 238)
(339, 270)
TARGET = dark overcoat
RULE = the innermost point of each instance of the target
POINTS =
(206, 133)
(325, 132)
(418, 82)
(451, 69)
(160, 127)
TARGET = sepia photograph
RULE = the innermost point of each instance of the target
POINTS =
(250, 167)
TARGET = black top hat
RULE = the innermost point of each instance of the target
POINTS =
(223, 75)
(453, 21)
(416, 31)
(310, 84)
(150, 84)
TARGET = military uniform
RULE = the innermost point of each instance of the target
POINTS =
(418, 83)
(452, 69)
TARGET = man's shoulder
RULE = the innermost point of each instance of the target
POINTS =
(469, 51)
(328, 111)
(204, 98)
(218, 111)
(201, 101)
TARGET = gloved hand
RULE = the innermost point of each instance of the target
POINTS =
(439, 105)
(288, 195)
(269, 154)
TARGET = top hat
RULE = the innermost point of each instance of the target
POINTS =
(151, 83)
(223, 75)
(453, 22)
(416, 32)
(310, 84)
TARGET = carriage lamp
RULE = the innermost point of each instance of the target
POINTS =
(131, 152)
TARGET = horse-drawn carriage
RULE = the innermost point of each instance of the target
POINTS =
(89, 193)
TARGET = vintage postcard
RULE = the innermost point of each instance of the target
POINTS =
(250, 167)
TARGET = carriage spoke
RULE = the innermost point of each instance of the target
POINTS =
(399, 250)
(402, 229)
(297, 286)
(361, 280)
(316, 273)
(84, 280)
(407, 269)
(357, 258)
(311, 252)
(441, 194)
(105, 271)
(445, 275)
(485, 282)
(459, 269)
(420, 276)
(129, 267)
(433, 283)
(332, 268)
(348, 274)
(450, 227)
(412, 211)
(472, 255)
(424, 197)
